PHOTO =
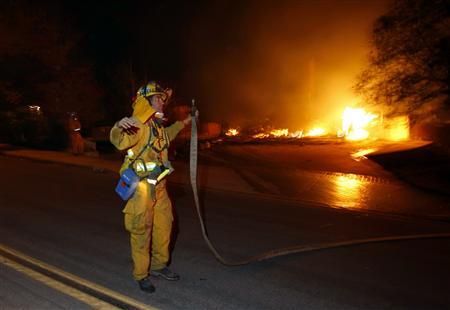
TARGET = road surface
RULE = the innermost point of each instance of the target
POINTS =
(69, 218)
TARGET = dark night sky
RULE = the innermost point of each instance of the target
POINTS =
(241, 60)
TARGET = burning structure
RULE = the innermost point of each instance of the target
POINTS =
(356, 124)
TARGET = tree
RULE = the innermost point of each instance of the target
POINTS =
(41, 64)
(408, 65)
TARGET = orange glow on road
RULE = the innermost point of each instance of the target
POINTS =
(349, 191)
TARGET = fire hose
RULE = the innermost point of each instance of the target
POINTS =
(282, 251)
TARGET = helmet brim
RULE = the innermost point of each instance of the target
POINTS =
(164, 95)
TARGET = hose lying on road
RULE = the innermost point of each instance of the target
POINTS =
(282, 251)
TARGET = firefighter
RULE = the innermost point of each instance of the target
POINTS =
(75, 138)
(148, 213)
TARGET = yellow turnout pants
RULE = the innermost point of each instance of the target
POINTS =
(149, 222)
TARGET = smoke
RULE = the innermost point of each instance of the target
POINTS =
(292, 62)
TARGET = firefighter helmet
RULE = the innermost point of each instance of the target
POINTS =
(150, 89)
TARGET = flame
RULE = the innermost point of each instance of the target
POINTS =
(261, 135)
(316, 132)
(280, 132)
(355, 122)
(232, 132)
(296, 134)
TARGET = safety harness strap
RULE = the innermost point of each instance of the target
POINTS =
(155, 126)
(142, 151)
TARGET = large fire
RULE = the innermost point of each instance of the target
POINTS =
(357, 124)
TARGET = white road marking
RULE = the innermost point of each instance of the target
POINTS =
(62, 287)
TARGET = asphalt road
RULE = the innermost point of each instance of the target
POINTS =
(330, 174)
(70, 218)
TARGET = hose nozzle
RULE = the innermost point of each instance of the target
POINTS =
(193, 108)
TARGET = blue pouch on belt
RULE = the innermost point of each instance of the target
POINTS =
(127, 184)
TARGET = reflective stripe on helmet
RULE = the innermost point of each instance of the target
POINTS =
(151, 88)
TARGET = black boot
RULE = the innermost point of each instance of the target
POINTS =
(146, 285)
(165, 273)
